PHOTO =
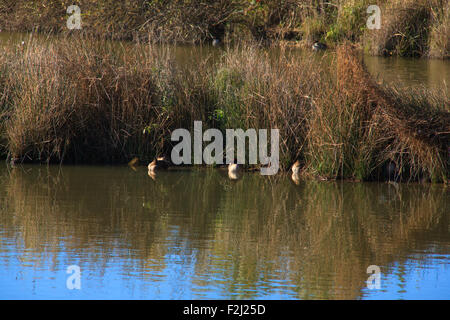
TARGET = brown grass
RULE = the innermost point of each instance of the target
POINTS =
(87, 101)
(83, 103)
(439, 42)
(411, 28)
(363, 126)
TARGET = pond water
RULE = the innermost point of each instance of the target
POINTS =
(410, 72)
(196, 234)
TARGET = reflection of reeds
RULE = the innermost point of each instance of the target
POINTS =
(318, 238)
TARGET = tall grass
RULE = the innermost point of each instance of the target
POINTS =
(411, 28)
(173, 20)
(75, 100)
(86, 101)
(439, 43)
(360, 127)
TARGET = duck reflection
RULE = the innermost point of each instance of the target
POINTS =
(152, 174)
(295, 178)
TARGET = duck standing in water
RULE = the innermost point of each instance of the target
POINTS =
(233, 167)
(319, 46)
(159, 163)
(233, 170)
(296, 172)
(296, 167)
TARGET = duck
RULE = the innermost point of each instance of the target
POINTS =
(319, 46)
(160, 163)
(233, 175)
(295, 178)
(233, 168)
(296, 167)
(152, 175)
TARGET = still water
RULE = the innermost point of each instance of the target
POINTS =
(196, 234)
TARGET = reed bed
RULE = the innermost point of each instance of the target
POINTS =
(76, 100)
(80, 100)
(362, 127)
(411, 28)
(439, 43)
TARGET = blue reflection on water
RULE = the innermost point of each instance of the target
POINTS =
(414, 280)
(24, 276)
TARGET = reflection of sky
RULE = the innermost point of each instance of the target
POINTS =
(415, 280)
(30, 276)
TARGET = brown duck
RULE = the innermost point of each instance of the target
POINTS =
(159, 163)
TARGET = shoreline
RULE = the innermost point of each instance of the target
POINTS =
(302, 178)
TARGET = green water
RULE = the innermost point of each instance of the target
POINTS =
(194, 234)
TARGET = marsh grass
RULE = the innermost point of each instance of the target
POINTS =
(439, 43)
(84, 101)
(356, 127)
(411, 28)
(378, 124)
(80, 100)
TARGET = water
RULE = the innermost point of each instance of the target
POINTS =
(196, 234)
(410, 72)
